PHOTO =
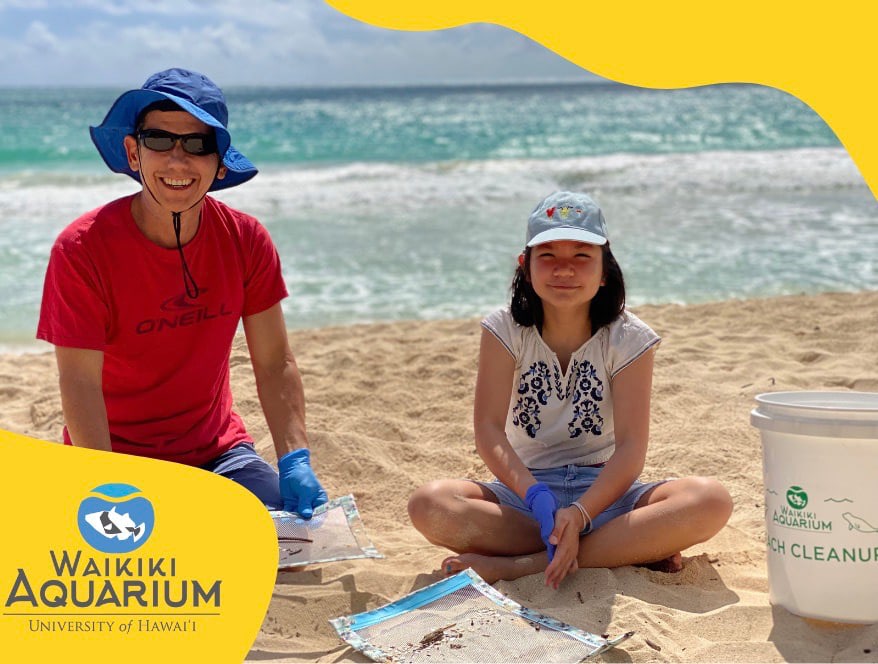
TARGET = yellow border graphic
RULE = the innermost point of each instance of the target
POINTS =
(818, 52)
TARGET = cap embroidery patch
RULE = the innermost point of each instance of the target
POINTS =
(566, 215)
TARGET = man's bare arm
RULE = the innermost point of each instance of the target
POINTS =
(82, 398)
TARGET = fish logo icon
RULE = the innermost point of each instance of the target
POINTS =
(115, 518)
(112, 524)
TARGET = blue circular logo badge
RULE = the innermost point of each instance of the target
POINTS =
(116, 518)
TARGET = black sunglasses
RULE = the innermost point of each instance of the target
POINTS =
(163, 141)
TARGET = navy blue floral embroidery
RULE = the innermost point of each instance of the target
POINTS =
(534, 388)
(557, 375)
(588, 392)
(536, 381)
(525, 414)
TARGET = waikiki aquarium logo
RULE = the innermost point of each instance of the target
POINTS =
(115, 518)
(797, 499)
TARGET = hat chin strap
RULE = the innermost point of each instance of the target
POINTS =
(187, 275)
(192, 290)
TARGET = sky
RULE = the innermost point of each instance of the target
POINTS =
(252, 42)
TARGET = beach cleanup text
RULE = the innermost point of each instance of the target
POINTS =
(828, 554)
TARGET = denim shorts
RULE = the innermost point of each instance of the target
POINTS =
(243, 465)
(568, 483)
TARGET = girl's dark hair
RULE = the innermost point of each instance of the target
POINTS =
(605, 307)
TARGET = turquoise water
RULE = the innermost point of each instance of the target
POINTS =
(410, 202)
(47, 129)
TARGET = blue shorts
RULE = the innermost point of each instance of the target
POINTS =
(568, 483)
(243, 465)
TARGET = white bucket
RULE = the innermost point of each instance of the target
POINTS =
(820, 466)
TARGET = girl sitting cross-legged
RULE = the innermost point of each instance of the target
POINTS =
(562, 420)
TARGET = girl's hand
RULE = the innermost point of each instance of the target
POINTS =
(565, 537)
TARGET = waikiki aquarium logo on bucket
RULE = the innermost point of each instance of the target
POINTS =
(115, 518)
(793, 514)
(797, 498)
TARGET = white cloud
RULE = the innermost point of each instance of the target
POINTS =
(40, 38)
(129, 7)
(305, 42)
(274, 15)
(23, 4)
(266, 13)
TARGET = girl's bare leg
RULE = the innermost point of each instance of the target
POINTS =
(497, 542)
(667, 520)
(465, 517)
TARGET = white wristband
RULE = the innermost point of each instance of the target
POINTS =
(586, 519)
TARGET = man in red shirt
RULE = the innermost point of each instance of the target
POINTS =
(143, 296)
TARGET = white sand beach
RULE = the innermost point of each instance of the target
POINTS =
(390, 407)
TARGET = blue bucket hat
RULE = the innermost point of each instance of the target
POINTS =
(194, 93)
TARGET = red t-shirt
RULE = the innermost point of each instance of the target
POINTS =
(166, 356)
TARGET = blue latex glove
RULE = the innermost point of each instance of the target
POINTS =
(299, 487)
(543, 505)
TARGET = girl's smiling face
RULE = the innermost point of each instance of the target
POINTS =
(566, 273)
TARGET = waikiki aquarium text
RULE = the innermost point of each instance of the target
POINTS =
(115, 582)
(800, 519)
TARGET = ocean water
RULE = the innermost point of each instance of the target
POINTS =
(405, 203)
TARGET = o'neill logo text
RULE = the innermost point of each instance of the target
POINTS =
(115, 518)
(181, 312)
